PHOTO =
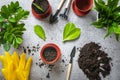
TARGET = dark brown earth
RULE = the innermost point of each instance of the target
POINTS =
(42, 3)
(94, 61)
(50, 54)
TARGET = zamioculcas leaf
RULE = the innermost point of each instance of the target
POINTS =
(39, 32)
(19, 40)
(1, 19)
(12, 20)
(6, 46)
(71, 32)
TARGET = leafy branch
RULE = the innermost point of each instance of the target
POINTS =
(11, 26)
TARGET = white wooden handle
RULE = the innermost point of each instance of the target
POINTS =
(61, 4)
(68, 3)
(69, 71)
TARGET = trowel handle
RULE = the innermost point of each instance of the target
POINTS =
(61, 4)
(68, 3)
(69, 71)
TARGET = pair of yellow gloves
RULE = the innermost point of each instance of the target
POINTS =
(15, 67)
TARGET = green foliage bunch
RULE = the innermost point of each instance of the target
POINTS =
(11, 26)
(109, 16)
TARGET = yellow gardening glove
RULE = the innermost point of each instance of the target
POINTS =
(15, 68)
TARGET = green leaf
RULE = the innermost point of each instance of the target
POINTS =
(70, 32)
(2, 19)
(12, 20)
(6, 46)
(39, 32)
(38, 7)
(68, 28)
(117, 30)
(15, 44)
(115, 3)
(117, 9)
(101, 1)
(16, 4)
(19, 40)
(110, 30)
(4, 11)
(10, 38)
(98, 24)
(109, 2)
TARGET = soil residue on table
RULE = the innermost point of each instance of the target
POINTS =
(94, 61)
(31, 50)
(49, 54)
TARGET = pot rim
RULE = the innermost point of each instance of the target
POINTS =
(77, 12)
(53, 46)
(89, 8)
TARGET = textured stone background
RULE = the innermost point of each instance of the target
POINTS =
(54, 35)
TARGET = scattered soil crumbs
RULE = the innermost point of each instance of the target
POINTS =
(31, 50)
(52, 66)
(48, 75)
(94, 61)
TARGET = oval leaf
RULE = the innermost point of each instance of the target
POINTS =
(6, 46)
(19, 40)
(2, 19)
(12, 20)
(70, 32)
(39, 32)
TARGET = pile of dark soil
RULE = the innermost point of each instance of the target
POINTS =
(49, 54)
(42, 3)
(94, 61)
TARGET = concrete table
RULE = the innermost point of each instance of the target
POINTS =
(54, 34)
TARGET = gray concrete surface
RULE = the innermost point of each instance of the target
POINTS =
(54, 34)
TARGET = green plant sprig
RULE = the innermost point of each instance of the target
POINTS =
(109, 16)
(11, 26)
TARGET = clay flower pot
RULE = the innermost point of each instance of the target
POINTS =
(44, 4)
(50, 53)
(82, 7)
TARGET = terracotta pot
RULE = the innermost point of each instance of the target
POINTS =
(42, 15)
(50, 45)
(82, 7)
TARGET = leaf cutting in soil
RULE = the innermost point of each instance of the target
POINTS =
(71, 32)
(39, 31)
(38, 7)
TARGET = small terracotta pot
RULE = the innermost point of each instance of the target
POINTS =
(50, 45)
(82, 7)
(43, 15)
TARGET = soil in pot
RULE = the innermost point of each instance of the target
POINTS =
(94, 61)
(50, 54)
(42, 3)
(83, 4)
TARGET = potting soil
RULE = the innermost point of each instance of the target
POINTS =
(49, 54)
(94, 61)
